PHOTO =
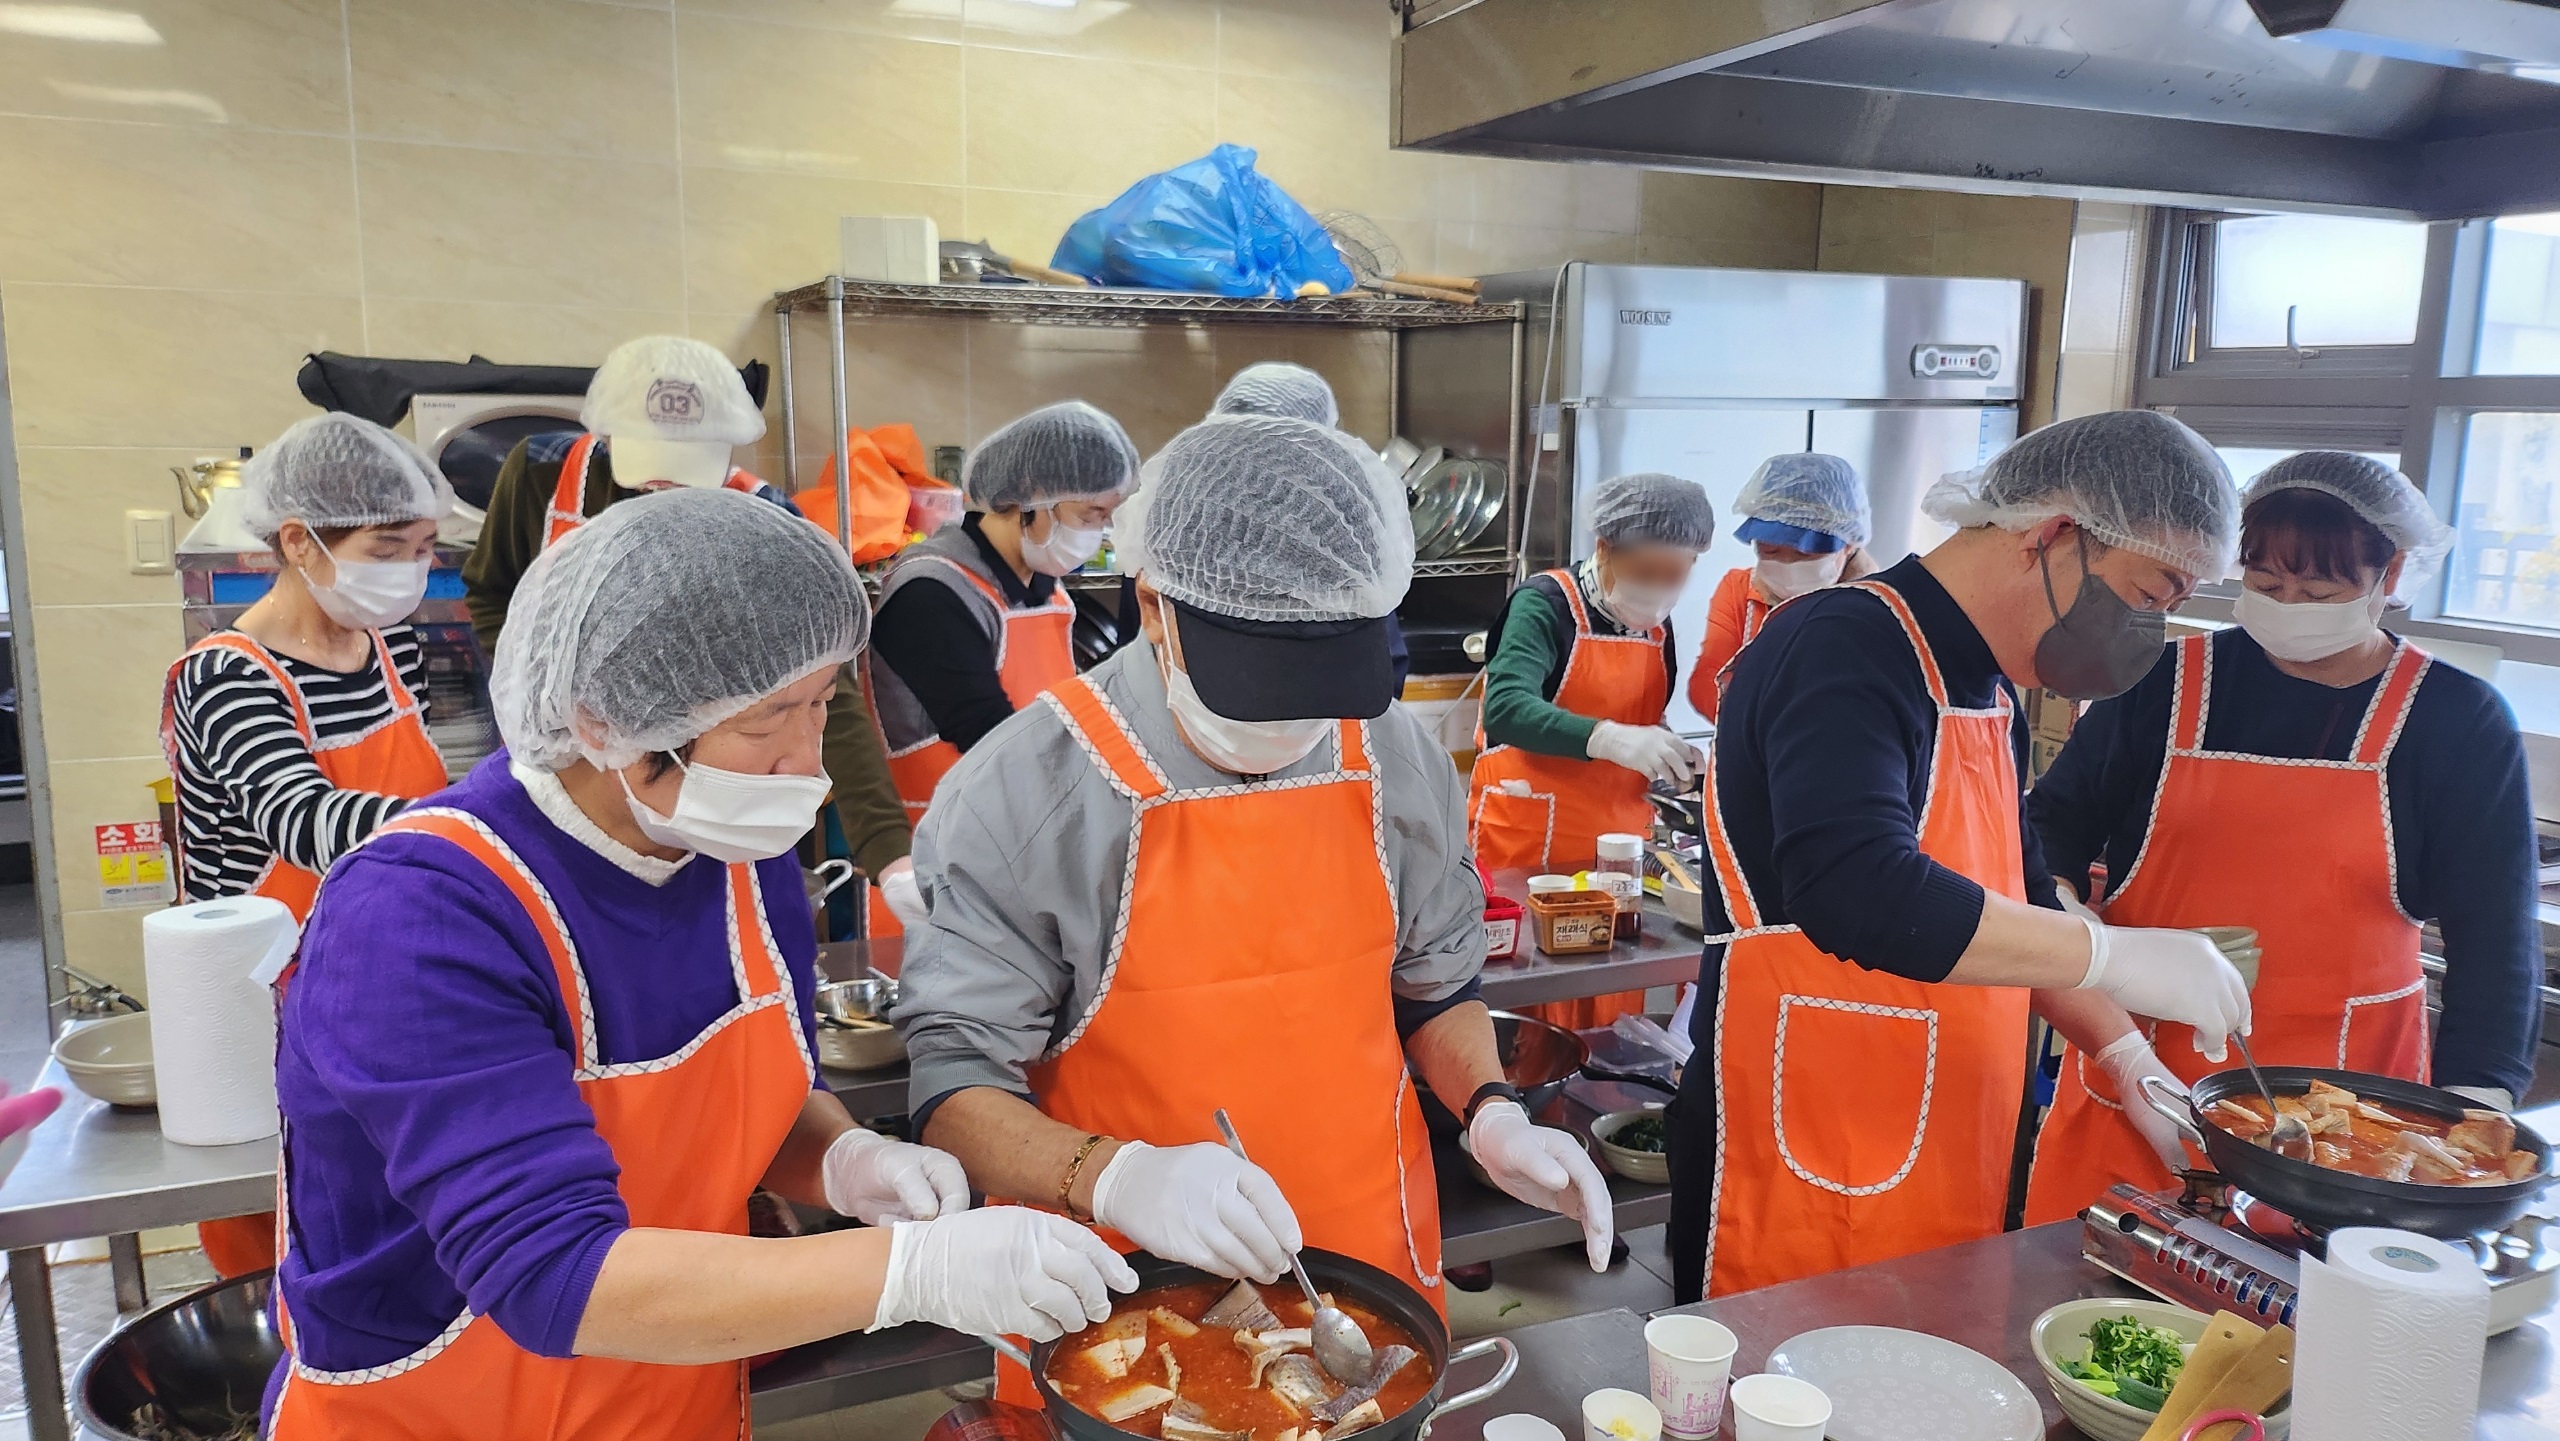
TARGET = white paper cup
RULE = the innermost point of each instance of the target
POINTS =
(1520, 1426)
(1687, 1359)
(1615, 1415)
(1770, 1407)
(1548, 885)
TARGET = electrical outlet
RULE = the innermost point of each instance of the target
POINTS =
(150, 547)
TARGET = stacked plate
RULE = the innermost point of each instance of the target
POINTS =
(1454, 500)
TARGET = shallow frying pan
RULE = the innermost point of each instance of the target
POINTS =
(1387, 1295)
(2320, 1196)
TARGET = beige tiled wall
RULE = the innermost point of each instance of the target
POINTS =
(194, 193)
(1928, 232)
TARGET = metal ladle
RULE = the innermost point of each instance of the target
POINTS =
(1341, 1347)
(2288, 1129)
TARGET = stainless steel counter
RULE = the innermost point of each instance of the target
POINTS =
(1984, 1294)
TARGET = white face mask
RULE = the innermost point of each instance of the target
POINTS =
(1065, 551)
(1247, 748)
(2312, 630)
(733, 817)
(1786, 579)
(370, 594)
(1639, 607)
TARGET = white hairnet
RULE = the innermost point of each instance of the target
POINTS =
(663, 617)
(1277, 387)
(1810, 491)
(1649, 507)
(340, 470)
(2383, 497)
(2131, 478)
(1067, 451)
(1264, 518)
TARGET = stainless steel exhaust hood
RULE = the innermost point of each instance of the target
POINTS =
(2432, 109)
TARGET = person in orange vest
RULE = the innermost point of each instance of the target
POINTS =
(1879, 914)
(550, 1032)
(975, 621)
(1223, 869)
(664, 413)
(2401, 787)
(296, 732)
(1805, 514)
(1572, 734)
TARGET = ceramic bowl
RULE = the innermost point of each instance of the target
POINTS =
(2063, 1334)
(111, 1060)
(1653, 1168)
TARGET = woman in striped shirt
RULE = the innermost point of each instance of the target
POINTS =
(298, 731)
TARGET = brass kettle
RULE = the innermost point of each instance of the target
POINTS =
(198, 482)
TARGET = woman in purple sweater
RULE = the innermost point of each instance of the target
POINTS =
(552, 1026)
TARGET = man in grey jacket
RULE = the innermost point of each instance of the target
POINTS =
(1223, 870)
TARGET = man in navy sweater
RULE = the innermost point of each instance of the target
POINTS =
(1862, 1022)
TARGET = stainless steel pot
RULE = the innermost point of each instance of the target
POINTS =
(854, 1033)
(1385, 1294)
(203, 1360)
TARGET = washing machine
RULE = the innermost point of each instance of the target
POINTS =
(468, 437)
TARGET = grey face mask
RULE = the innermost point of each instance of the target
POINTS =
(2099, 647)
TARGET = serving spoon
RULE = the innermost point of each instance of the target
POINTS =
(2288, 1129)
(1341, 1347)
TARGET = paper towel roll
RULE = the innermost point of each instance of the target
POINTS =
(2389, 1337)
(213, 1023)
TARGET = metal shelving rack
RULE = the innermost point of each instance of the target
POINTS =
(841, 300)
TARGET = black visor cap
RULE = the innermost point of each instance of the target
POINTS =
(1265, 670)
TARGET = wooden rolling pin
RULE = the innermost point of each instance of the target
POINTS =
(1412, 291)
(1468, 283)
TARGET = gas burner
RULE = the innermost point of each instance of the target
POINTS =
(2211, 1247)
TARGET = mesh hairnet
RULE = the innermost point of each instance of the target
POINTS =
(2131, 478)
(1276, 387)
(339, 470)
(1810, 491)
(664, 616)
(1650, 507)
(1264, 518)
(1067, 451)
(2382, 496)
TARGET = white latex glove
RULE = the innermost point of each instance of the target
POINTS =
(2126, 1062)
(1652, 752)
(2170, 976)
(1201, 1206)
(2071, 903)
(2496, 1098)
(1006, 1270)
(897, 882)
(875, 1180)
(1547, 1169)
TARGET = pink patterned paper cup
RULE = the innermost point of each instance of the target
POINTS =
(1688, 1359)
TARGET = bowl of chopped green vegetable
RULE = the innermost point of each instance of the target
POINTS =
(2111, 1363)
(1636, 1144)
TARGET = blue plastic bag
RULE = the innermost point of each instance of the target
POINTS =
(1214, 224)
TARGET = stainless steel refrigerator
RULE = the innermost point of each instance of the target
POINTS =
(1705, 373)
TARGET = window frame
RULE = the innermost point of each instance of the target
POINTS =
(2417, 399)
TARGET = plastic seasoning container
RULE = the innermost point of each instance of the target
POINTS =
(1502, 918)
(1620, 869)
(1573, 922)
(1548, 885)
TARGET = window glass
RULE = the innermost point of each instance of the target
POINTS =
(2520, 304)
(2505, 565)
(2350, 281)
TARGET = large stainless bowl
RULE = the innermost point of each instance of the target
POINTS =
(1536, 1056)
(853, 1029)
(203, 1360)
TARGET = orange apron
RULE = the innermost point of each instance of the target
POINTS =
(394, 758)
(1572, 802)
(1865, 1116)
(567, 510)
(1035, 649)
(1180, 1028)
(693, 1133)
(1734, 616)
(2338, 984)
